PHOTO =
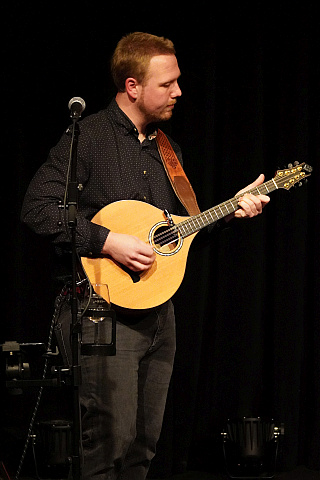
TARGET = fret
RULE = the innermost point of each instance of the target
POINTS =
(209, 211)
(210, 216)
(194, 225)
(204, 219)
(214, 210)
(234, 204)
(189, 227)
(220, 209)
(227, 208)
(181, 229)
(200, 217)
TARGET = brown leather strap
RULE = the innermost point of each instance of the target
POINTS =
(176, 174)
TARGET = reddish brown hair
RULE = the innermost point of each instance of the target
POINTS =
(132, 56)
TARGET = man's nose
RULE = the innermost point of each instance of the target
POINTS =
(177, 91)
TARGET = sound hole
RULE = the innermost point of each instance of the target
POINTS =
(166, 240)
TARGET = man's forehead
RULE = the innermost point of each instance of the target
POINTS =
(164, 65)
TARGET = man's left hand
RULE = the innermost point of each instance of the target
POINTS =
(250, 205)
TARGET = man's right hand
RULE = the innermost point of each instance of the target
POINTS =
(129, 250)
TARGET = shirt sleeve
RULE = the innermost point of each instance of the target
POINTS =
(44, 209)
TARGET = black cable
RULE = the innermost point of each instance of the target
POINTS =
(56, 312)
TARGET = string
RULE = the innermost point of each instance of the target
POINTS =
(166, 237)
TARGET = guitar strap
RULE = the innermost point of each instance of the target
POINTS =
(176, 174)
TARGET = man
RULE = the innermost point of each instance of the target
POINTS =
(122, 397)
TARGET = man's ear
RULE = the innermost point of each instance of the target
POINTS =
(131, 87)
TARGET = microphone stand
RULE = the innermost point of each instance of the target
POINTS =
(72, 204)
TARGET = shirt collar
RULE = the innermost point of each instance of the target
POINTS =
(126, 124)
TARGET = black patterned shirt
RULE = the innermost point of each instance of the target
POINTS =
(112, 165)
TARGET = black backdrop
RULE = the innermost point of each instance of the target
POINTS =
(248, 309)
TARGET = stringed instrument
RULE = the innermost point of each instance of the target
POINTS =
(170, 237)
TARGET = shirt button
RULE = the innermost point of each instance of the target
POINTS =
(144, 198)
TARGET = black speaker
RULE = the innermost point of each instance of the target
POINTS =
(53, 448)
(250, 447)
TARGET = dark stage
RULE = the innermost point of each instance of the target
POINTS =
(248, 309)
(299, 473)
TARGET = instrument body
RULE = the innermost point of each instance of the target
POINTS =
(170, 237)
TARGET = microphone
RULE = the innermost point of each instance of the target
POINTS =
(76, 107)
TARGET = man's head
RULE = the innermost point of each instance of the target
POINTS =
(132, 56)
(146, 72)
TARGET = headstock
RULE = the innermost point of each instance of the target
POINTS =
(293, 175)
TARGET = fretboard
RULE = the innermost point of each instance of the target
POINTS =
(208, 217)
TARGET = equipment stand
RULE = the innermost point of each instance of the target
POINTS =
(72, 204)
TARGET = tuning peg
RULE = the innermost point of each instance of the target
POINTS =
(290, 165)
(296, 163)
(304, 181)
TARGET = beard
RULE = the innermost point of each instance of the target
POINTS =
(161, 115)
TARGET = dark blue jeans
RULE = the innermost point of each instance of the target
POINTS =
(123, 397)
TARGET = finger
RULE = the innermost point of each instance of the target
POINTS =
(257, 199)
(257, 182)
(142, 258)
(145, 250)
(249, 198)
(141, 264)
(240, 213)
(254, 202)
(264, 200)
(146, 259)
(249, 209)
(251, 205)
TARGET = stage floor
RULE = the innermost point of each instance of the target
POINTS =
(299, 473)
